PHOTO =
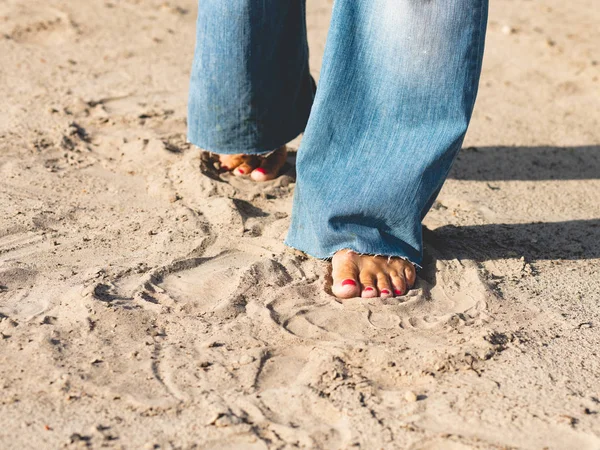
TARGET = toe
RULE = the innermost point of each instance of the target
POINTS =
(368, 284)
(346, 287)
(398, 283)
(384, 285)
(345, 276)
(247, 166)
(230, 162)
(270, 165)
(410, 273)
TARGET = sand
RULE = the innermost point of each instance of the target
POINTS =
(147, 304)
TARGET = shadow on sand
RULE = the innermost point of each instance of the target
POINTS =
(527, 163)
(574, 240)
(571, 240)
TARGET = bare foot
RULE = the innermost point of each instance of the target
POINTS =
(368, 276)
(260, 168)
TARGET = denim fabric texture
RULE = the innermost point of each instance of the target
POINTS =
(396, 93)
(251, 89)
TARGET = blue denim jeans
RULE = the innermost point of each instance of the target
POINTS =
(396, 93)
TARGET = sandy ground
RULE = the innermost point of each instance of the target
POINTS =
(145, 303)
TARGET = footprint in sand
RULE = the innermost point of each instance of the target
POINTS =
(218, 286)
(448, 294)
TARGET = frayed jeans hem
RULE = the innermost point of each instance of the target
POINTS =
(258, 150)
(328, 257)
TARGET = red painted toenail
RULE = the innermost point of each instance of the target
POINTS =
(385, 291)
(368, 288)
(261, 170)
(242, 171)
(224, 168)
(349, 282)
(397, 292)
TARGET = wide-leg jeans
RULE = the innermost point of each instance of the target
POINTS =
(395, 96)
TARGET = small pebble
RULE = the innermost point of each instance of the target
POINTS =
(174, 197)
(506, 29)
(410, 396)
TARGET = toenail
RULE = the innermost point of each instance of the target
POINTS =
(385, 291)
(368, 288)
(224, 168)
(349, 282)
(261, 170)
(242, 171)
(397, 292)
